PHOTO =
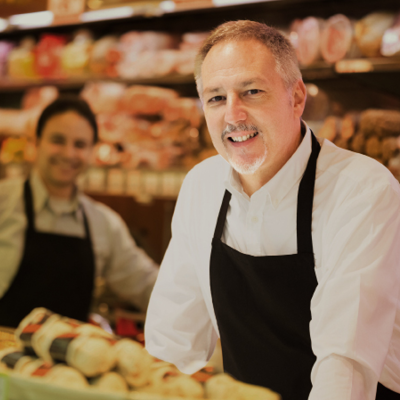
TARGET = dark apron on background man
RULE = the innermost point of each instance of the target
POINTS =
(56, 272)
(263, 305)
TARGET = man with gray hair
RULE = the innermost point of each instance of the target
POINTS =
(283, 245)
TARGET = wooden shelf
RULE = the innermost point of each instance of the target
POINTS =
(13, 85)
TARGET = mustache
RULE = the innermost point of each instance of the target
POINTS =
(240, 127)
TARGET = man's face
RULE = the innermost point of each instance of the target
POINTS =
(253, 119)
(64, 149)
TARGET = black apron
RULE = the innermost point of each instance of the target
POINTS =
(56, 272)
(262, 304)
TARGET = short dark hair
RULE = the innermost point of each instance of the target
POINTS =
(63, 104)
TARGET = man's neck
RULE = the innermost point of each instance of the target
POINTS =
(60, 192)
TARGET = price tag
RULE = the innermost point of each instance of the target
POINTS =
(116, 181)
(151, 183)
(353, 66)
(134, 183)
(4, 384)
(96, 180)
(169, 184)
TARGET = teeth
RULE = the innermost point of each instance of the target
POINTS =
(243, 138)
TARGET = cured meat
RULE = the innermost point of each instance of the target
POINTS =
(183, 108)
(382, 123)
(309, 40)
(146, 100)
(104, 56)
(370, 30)
(390, 45)
(103, 97)
(337, 39)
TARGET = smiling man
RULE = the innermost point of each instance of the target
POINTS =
(284, 246)
(54, 240)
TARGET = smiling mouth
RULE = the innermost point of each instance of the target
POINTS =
(237, 139)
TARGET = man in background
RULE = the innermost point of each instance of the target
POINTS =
(54, 240)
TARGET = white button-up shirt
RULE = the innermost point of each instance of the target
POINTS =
(355, 326)
(126, 268)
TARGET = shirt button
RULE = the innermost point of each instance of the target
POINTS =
(254, 220)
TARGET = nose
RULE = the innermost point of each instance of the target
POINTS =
(69, 150)
(235, 111)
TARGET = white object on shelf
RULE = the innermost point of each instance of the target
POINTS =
(116, 181)
(96, 180)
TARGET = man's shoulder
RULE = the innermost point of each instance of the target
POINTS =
(11, 188)
(353, 169)
(99, 211)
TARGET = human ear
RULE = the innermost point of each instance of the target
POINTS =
(299, 95)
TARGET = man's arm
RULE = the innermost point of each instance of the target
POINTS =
(129, 271)
(178, 327)
(355, 304)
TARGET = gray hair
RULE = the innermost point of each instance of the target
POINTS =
(285, 56)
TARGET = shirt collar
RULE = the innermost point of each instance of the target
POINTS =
(42, 198)
(282, 182)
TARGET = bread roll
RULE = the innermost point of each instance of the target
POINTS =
(370, 30)
(91, 355)
(14, 359)
(59, 374)
(110, 382)
(133, 362)
(166, 380)
(224, 387)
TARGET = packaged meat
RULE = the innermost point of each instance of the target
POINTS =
(309, 40)
(21, 60)
(103, 97)
(109, 382)
(183, 108)
(146, 100)
(133, 362)
(5, 49)
(75, 55)
(337, 39)
(48, 56)
(370, 30)
(104, 56)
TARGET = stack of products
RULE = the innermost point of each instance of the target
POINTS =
(68, 353)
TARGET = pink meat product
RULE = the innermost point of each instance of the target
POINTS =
(337, 38)
(309, 41)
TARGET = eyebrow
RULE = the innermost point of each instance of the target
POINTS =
(242, 85)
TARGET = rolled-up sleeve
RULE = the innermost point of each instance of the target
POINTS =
(355, 304)
(178, 327)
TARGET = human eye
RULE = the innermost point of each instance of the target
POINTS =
(57, 139)
(216, 99)
(254, 92)
(80, 144)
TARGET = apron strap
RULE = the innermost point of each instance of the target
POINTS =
(305, 199)
(29, 206)
(222, 215)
